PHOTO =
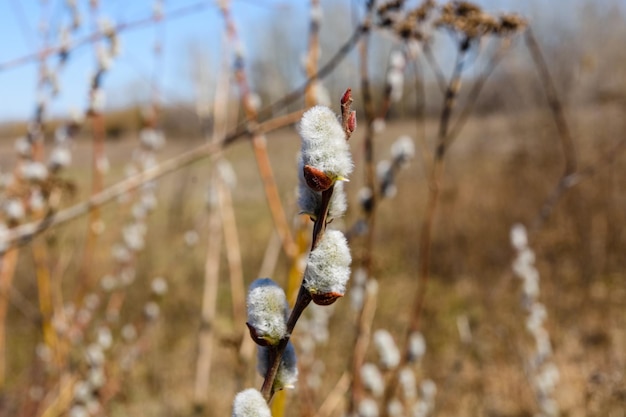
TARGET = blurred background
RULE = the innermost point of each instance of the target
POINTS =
(506, 162)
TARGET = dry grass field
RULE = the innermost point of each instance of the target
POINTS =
(499, 174)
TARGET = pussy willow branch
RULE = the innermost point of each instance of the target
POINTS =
(302, 301)
(98, 35)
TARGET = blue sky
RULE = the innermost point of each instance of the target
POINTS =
(129, 78)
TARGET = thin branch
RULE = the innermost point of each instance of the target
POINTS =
(569, 150)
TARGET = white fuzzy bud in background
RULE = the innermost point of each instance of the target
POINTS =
(395, 81)
(429, 390)
(395, 408)
(104, 337)
(128, 332)
(151, 139)
(191, 238)
(407, 382)
(388, 352)
(4, 232)
(328, 268)
(14, 209)
(287, 374)
(316, 13)
(519, 237)
(34, 171)
(379, 125)
(60, 157)
(368, 408)
(267, 312)
(396, 60)
(104, 58)
(324, 144)
(159, 286)
(372, 379)
(403, 150)
(250, 403)
(23, 147)
(417, 346)
(151, 310)
(227, 173)
(97, 100)
(322, 95)
(255, 102)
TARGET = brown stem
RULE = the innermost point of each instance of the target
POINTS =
(276, 354)
(209, 307)
(569, 150)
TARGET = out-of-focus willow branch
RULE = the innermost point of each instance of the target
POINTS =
(98, 35)
(24, 233)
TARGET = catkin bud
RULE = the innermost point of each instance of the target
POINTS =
(324, 145)
(287, 374)
(328, 268)
(250, 403)
(267, 312)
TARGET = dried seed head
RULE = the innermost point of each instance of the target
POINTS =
(250, 403)
(267, 312)
(328, 268)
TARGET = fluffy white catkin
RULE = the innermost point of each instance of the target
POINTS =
(267, 311)
(287, 375)
(324, 144)
(250, 403)
(328, 268)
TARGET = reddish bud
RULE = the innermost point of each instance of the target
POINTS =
(316, 179)
(255, 336)
(325, 299)
(352, 121)
(347, 97)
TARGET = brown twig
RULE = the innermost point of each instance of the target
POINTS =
(567, 144)
(209, 307)
(259, 142)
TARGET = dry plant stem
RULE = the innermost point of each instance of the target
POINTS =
(356, 389)
(359, 351)
(8, 263)
(476, 89)
(312, 58)
(569, 150)
(97, 35)
(233, 256)
(425, 243)
(334, 399)
(97, 184)
(209, 307)
(259, 142)
(420, 111)
(568, 181)
(434, 189)
(325, 70)
(430, 58)
(40, 256)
